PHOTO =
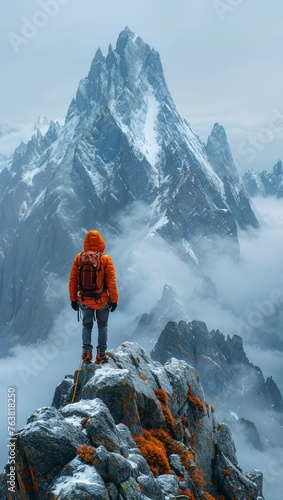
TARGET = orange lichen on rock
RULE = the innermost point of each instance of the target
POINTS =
(141, 487)
(154, 453)
(188, 494)
(84, 421)
(163, 399)
(85, 452)
(162, 396)
(228, 472)
(34, 473)
(136, 361)
(196, 401)
(185, 422)
(197, 477)
(128, 407)
(142, 377)
(208, 496)
(25, 474)
(156, 445)
(172, 446)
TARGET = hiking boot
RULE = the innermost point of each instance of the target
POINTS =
(101, 358)
(87, 353)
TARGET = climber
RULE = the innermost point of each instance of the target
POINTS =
(93, 291)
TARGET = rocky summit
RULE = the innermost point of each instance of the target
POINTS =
(136, 430)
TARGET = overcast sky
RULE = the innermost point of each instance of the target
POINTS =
(222, 60)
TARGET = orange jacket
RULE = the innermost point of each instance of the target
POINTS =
(95, 242)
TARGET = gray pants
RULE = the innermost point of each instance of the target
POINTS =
(101, 315)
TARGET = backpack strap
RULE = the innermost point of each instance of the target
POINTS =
(78, 278)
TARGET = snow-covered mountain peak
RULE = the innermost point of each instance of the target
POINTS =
(131, 68)
(123, 141)
(218, 132)
(125, 38)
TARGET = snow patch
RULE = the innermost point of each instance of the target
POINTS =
(150, 148)
(84, 474)
(141, 132)
(189, 250)
(28, 175)
(234, 415)
(76, 421)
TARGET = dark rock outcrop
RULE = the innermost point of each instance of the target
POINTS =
(221, 362)
(136, 431)
(234, 386)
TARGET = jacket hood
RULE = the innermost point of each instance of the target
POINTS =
(94, 241)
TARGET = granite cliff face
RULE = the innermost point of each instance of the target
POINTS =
(123, 142)
(137, 429)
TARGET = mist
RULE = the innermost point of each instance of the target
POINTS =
(145, 263)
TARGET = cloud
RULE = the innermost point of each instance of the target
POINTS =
(36, 371)
(248, 289)
(270, 362)
(12, 134)
(209, 68)
(270, 463)
(144, 264)
(258, 274)
(251, 287)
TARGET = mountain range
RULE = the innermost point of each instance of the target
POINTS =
(123, 150)
(123, 142)
(265, 183)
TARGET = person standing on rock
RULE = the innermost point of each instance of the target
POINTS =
(93, 291)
